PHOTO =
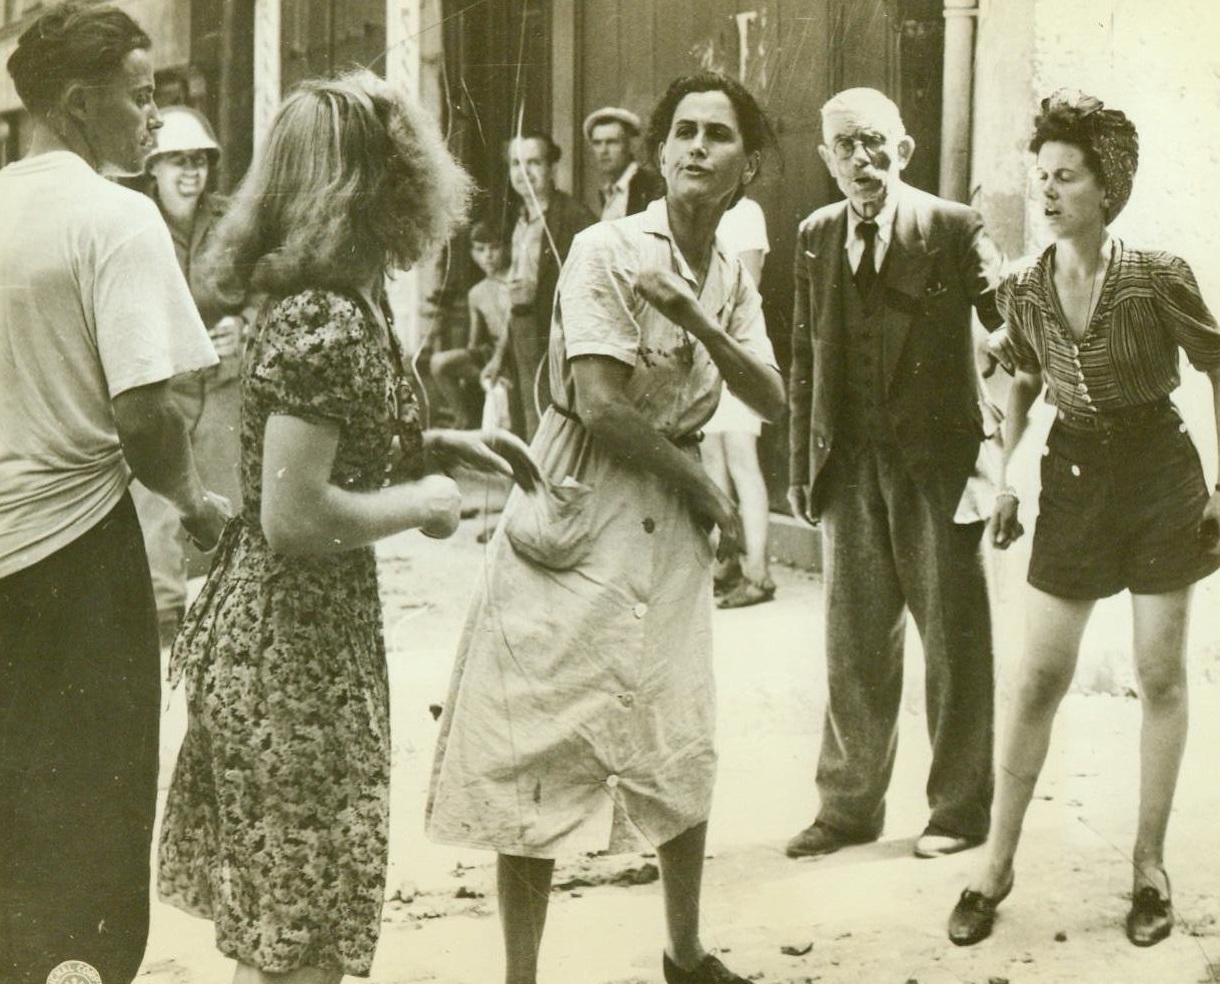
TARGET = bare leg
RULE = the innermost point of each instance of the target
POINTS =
(1161, 623)
(246, 974)
(1052, 643)
(681, 880)
(524, 888)
(741, 455)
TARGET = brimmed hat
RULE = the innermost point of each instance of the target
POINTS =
(611, 114)
(184, 129)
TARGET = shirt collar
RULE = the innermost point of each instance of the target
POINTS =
(623, 180)
(655, 219)
(884, 218)
(523, 213)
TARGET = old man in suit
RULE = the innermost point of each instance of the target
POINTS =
(886, 430)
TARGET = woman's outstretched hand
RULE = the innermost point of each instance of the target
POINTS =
(441, 504)
(493, 450)
(1004, 527)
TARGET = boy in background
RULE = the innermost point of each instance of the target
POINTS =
(482, 360)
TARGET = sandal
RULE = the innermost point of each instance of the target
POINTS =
(746, 592)
(1150, 918)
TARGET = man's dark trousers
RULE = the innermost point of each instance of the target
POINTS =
(887, 549)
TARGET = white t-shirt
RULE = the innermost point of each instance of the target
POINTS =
(92, 303)
(744, 227)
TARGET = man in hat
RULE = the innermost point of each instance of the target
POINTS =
(626, 187)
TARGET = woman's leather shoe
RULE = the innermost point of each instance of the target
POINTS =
(974, 915)
(709, 970)
(1150, 918)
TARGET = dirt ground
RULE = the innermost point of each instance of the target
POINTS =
(870, 914)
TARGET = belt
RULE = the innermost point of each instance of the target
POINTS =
(1121, 419)
(691, 440)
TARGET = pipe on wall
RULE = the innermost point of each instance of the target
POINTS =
(957, 99)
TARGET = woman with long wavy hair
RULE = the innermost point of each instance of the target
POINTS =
(275, 827)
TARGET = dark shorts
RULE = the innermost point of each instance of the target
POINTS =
(1120, 508)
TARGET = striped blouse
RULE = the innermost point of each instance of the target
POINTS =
(1149, 306)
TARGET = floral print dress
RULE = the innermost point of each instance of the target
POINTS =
(276, 822)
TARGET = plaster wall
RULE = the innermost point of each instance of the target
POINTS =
(1003, 111)
(1160, 64)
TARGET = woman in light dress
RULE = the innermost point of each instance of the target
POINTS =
(582, 702)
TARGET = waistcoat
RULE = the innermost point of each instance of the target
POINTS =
(863, 420)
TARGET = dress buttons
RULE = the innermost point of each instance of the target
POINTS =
(1045, 451)
(1076, 470)
(611, 780)
(626, 700)
(650, 524)
(640, 610)
(1182, 428)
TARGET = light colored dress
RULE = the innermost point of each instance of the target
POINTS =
(585, 688)
(742, 229)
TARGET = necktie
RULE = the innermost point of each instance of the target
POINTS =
(866, 271)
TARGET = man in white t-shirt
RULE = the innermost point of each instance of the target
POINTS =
(95, 318)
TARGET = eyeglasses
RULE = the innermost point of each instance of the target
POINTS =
(872, 142)
(197, 159)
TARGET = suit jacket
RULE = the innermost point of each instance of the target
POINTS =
(939, 265)
(645, 186)
(565, 217)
